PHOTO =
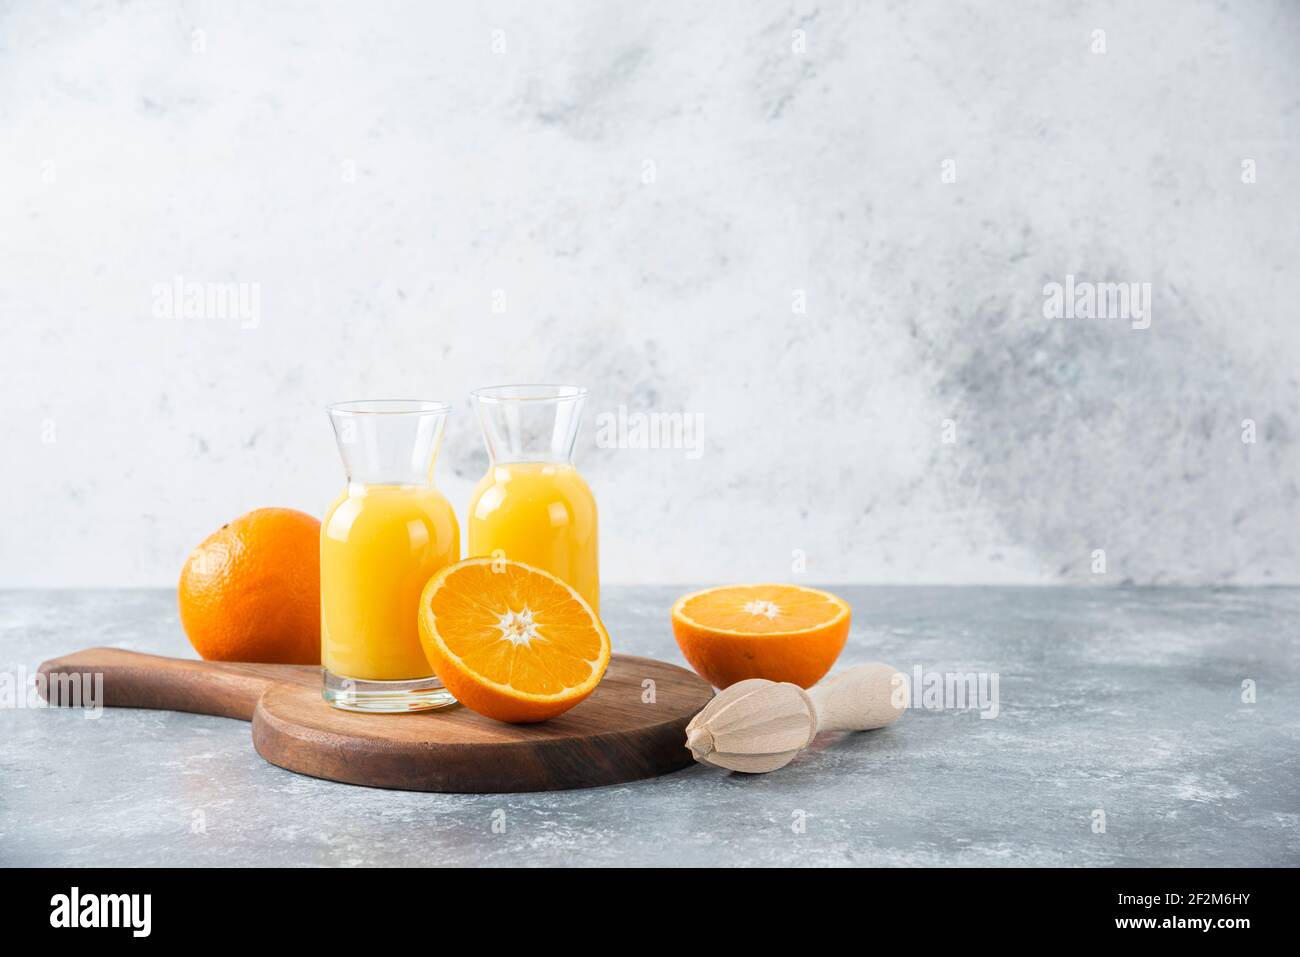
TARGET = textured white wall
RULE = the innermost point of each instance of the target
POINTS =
(379, 170)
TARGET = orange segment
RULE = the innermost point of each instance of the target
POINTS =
(777, 632)
(511, 641)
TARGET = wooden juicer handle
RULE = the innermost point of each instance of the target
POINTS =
(862, 698)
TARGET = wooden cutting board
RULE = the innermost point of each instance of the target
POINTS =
(613, 736)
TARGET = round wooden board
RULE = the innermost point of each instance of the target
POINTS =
(627, 729)
(632, 726)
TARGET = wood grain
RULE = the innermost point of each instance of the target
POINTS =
(615, 735)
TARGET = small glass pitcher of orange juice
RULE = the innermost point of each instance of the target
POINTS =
(532, 506)
(381, 541)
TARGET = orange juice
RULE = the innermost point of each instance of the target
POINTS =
(542, 514)
(380, 544)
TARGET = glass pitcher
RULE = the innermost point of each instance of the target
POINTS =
(381, 541)
(532, 505)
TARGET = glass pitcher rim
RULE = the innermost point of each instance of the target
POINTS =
(543, 392)
(389, 407)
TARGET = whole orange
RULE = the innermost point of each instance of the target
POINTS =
(778, 632)
(251, 591)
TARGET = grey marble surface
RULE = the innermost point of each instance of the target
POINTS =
(1125, 701)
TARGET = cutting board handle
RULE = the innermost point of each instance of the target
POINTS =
(135, 680)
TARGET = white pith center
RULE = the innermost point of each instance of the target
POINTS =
(518, 626)
(768, 609)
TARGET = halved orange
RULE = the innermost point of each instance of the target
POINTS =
(778, 632)
(511, 641)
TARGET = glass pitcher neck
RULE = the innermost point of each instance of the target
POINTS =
(389, 441)
(530, 423)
